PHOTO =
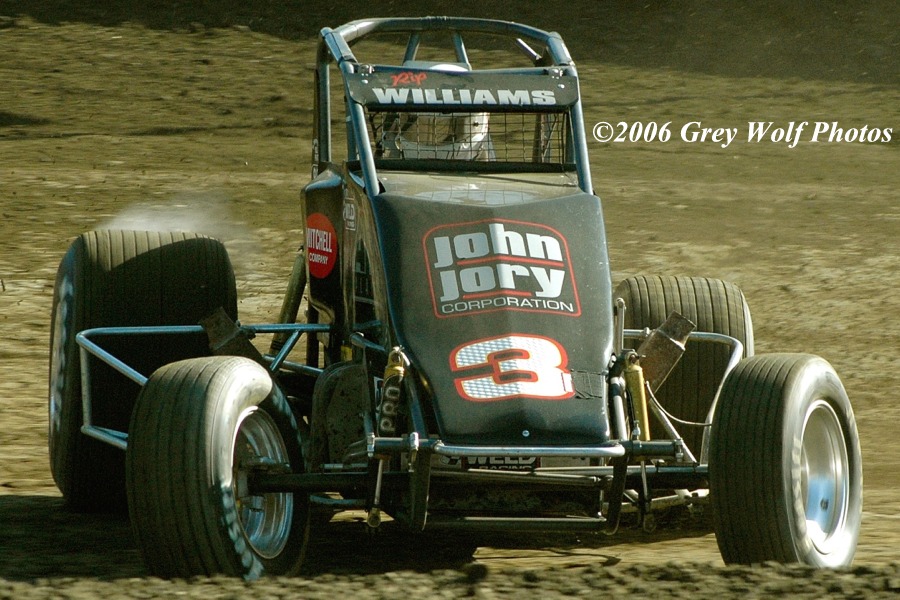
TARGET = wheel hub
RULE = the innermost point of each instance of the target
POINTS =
(265, 518)
(825, 485)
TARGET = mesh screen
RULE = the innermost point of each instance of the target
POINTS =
(499, 136)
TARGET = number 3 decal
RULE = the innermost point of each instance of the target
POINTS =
(512, 366)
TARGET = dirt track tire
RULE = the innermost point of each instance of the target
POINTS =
(712, 305)
(785, 464)
(198, 426)
(122, 278)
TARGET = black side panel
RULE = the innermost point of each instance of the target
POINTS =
(506, 314)
(323, 200)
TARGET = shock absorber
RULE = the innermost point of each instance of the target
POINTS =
(634, 380)
(387, 414)
(389, 409)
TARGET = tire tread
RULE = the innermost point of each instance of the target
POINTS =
(128, 278)
(713, 305)
(751, 511)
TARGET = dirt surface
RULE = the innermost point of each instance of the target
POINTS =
(197, 116)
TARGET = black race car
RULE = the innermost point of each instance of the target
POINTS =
(466, 361)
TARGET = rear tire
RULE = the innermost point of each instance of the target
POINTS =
(785, 464)
(712, 305)
(198, 428)
(122, 278)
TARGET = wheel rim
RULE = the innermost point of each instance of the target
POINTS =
(265, 518)
(825, 476)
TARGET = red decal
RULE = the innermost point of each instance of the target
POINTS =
(408, 78)
(321, 245)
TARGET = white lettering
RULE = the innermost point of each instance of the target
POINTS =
(820, 128)
(477, 279)
(544, 246)
(518, 97)
(506, 242)
(498, 262)
(693, 132)
(449, 287)
(447, 97)
(484, 97)
(506, 275)
(504, 302)
(471, 245)
(316, 239)
(550, 280)
(391, 95)
(444, 254)
(757, 130)
(543, 97)
(417, 95)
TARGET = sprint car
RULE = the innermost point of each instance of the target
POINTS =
(451, 352)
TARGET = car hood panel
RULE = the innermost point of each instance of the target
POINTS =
(505, 313)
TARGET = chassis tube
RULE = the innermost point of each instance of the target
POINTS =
(264, 483)
(88, 347)
(608, 451)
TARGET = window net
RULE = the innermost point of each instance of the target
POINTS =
(508, 137)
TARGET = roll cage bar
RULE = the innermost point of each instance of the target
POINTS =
(335, 46)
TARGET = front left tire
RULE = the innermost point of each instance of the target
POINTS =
(122, 278)
(199, 429)
(785, 469)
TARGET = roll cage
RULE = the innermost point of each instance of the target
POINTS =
(552, 72)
